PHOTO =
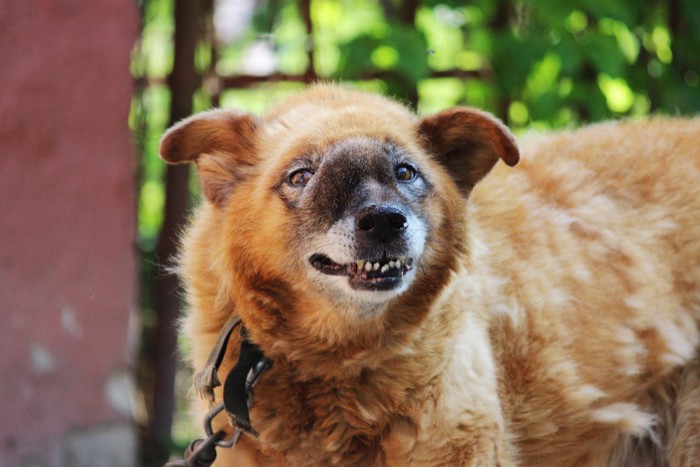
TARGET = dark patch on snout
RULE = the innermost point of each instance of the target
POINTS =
(345, 168)
(356, 174)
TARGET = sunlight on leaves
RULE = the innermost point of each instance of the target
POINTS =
(617, 93)
(385, 57)
(439, 94)
(518, 113)
(662, 43)
(576, 22)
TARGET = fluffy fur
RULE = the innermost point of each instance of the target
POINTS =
(548, 316)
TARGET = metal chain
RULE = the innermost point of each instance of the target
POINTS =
(202, 452)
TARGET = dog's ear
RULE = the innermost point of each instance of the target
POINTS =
(468, 143)
(221, 143)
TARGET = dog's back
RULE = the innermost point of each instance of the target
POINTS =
(593, 249)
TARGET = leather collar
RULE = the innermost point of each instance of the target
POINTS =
(238, 395)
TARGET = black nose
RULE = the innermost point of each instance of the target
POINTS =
(381, 223)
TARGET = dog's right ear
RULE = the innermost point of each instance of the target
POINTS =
(221, 143)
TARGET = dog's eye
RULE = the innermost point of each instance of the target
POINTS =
(405, 173)
(300, 177)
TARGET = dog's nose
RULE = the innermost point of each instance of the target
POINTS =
(382, 223)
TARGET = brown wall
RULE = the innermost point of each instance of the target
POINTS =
(67, 227)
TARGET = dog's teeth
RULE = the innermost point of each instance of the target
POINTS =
(398, 263)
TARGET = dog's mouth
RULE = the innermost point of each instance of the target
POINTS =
(373, 274)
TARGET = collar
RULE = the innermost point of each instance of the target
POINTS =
(239, 383)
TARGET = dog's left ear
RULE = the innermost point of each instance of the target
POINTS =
(468, 143)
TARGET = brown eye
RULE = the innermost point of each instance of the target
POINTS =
(405, 173)
(300, 177)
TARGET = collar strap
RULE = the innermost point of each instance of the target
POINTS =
(240, 380)
(206, 380)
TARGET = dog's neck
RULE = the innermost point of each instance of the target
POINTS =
(344, 351)
(387, 332)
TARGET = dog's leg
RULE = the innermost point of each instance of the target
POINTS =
(684, 440)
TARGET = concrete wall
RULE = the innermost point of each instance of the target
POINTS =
(68, 280)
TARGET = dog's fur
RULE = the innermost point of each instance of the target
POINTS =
(549, 316)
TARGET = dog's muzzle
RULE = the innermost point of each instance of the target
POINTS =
(380, 237)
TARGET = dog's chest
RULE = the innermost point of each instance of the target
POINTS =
(321, 422)
(404, 413)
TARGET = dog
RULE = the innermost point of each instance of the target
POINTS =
(426, 301)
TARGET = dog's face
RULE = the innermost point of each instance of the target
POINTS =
(361, 216)
(341, 194)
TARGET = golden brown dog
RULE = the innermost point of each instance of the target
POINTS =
(416, 314)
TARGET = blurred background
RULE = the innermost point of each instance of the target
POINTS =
(92, 373)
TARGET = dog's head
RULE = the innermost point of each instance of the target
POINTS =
(341, 194)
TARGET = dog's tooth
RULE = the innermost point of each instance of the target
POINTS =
(385, 268)
(376, 266)
(392, 264)
(398, 263)
(360, 265)
(368, 266)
